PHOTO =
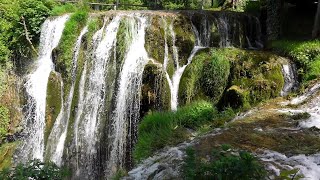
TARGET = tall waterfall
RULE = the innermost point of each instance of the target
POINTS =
(92, 92)
(36, 87)
(95, 131)
(126, 114)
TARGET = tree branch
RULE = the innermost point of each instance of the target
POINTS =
(27, 35)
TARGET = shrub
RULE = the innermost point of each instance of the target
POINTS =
(35, 170)
(223, 165)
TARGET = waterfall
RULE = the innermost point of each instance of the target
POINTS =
(290, 78)
(58, 135)
(174, 81)
(126, 113)
(92, 98)
(36, 87)
(95, 131)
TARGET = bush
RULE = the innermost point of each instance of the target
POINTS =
(306, 55)
(223, 165)
(34, 170)
(161, 129)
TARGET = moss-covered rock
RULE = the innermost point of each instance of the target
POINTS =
(10, 105)
(185, 38)
(53, 101)
(6, 154)
(257, 76)
(155, 92)
(205, 78)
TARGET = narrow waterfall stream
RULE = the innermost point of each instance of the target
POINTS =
(126, 114)
(58, 135)
(174, 81)
(36, 87)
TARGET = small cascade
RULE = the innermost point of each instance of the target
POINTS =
(308, 166)
(300, 99)
(36, 87)
(126, 113)
(174, 81)
(224, 28)
(58, 135)
(78, 115)
(312, 106)
(289, 72)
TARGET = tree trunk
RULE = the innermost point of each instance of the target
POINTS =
(316, 27)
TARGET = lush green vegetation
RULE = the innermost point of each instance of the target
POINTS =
(223, 164)
(206, 77)
(160, 129)
(70, 34)
(63, 9)
(254, 77)
(306, 55)
(34, 170)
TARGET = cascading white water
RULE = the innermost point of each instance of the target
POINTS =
(290, 78)
(58, 134)
(308, 166)
(92, 89)
(224, 28)
(174, 82)
(126, 114)
(312, 106)
(36, 87)
(79, 113)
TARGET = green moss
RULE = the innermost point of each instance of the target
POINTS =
(6, 154)
(155, 39)
(124, 38)
(53, 102)
(277, 134)
(205, 78)
(185, 38)
(69, 37)
(257, 74)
